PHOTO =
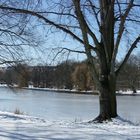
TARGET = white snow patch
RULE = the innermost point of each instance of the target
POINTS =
(129, 92)
(22, 127)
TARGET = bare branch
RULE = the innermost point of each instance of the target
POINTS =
(84, 27)
(133, 20)
(69, 26)
(136, 20)
(120, 32)
(57, 13)
(136, 5)
(33, 13)
(75, 51)
(121, 27)
(11, 32)
(119, 6)
(133, 46)
(96, 14)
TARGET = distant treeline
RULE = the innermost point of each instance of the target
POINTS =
(68, 75)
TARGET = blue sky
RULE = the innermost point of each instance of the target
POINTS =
(56, 39)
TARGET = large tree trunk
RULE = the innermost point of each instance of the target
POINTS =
(107, 98)
(107, 78)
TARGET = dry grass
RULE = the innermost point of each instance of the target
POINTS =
(18, 112)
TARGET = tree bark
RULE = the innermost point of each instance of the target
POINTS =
(107, 98)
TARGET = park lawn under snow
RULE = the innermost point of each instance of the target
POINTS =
(22, 127)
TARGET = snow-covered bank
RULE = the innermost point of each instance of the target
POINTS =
(94, 92)
(74, 91)
(21, 127)
(128, 92)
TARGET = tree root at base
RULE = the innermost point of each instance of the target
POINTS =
(101, 119)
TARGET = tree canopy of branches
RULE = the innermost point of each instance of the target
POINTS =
(15, 37)
(102, 27)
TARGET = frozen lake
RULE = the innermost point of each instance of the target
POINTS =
(63, 106)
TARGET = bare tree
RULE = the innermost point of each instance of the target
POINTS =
(16, 37)
(101, 27)
(129, 77)
(82, 78)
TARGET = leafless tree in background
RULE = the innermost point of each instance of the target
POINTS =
(16, 37)
(82, 77)
(101, 26)
(129, 77)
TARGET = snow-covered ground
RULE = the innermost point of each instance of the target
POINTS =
(21, 127)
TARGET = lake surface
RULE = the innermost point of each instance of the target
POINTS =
(63, 106)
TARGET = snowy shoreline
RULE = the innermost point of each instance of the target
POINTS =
(95, 92)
